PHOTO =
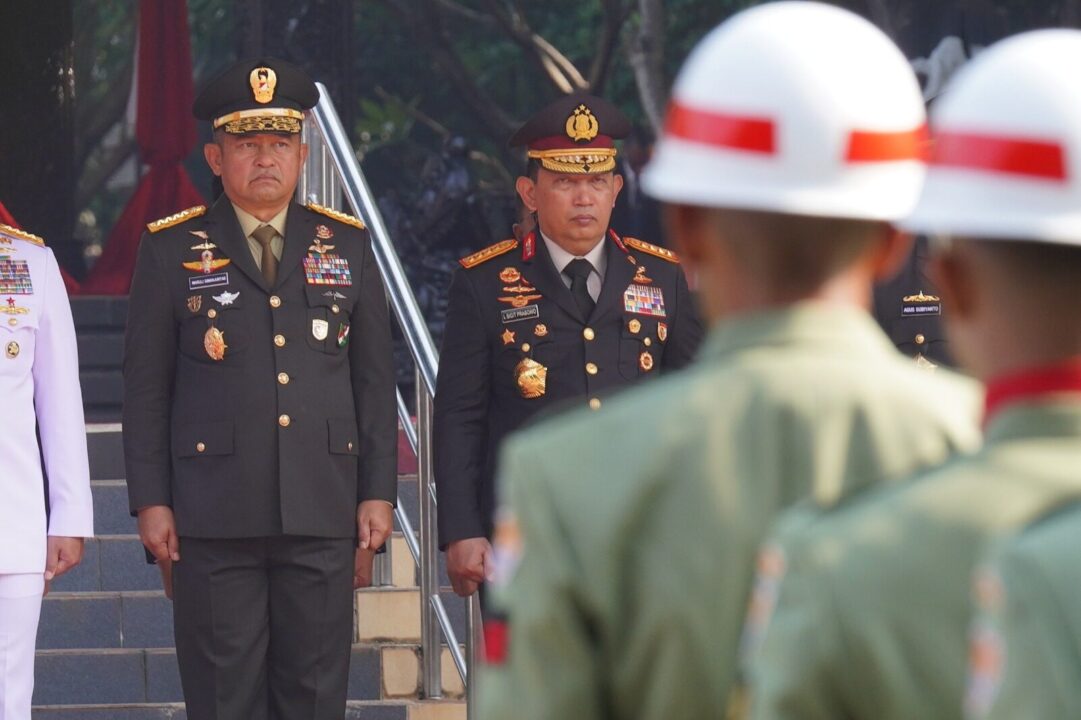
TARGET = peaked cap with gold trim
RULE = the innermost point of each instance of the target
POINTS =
(575, 134)
(262, 95)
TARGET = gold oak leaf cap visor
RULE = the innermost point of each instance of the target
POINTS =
(575, 134)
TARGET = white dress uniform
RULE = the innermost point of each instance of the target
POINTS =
(39, 394)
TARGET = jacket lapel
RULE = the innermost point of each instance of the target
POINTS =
(223, 229)
(299, 234)
(545, 277)
(617, 276)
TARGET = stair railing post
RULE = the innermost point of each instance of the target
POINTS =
(429, 565)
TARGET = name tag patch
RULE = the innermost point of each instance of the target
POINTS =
(15, 277)
(644, 300)
(199, 282)
(528, 312)
(913, 310)
(920, 304)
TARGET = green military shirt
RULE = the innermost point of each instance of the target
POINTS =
(1025, 641)
(872, 613)
(639, 524)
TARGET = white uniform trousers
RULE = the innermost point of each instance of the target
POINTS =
(20, 608)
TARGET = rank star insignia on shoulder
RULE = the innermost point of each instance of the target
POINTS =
(336, 215)
(492, 251)
(176, 218)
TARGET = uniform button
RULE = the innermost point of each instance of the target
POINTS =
(588, 334)
(591, 368)
(594, 404)
(284, 420)
(13, 322)
(647, 341)
(275, 301)
(200, 447)
(335, 309)
(279, 340)
(526, 347)
(283, 378)
(349, 445)
(920, 339)
(211, 313)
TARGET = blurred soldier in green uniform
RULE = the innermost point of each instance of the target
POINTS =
(1026, 635)
(872, 607)
(625, 547)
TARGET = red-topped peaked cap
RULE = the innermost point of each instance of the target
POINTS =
(794, 107)
(261, 95)
(574, 134)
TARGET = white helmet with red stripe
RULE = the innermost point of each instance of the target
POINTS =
(1006, 151)
(794, 107)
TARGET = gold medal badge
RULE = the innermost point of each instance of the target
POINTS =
(322, 232)
(645, 361)
(635, 325)
(214, 343)
(207, 262)
(532, 378)
(263, 80)
(510, 275)
(12, 309)
(541, 330)
(195, 303)
(12, 350)
(520, 301)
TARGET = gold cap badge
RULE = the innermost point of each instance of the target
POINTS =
(263, 80)
(582, 124)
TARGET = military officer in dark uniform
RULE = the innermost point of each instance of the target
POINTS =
(259, 414)
(570, 312)
(910, 311)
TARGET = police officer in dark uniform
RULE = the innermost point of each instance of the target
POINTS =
(260, 425)
(570, 312)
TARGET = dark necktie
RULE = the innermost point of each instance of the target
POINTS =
(578, 271)
(269, 264)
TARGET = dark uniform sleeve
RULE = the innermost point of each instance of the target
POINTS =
(461, 411)
(149, 370)
(371, 360)
(685, 332)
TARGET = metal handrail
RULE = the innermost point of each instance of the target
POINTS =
(332, 169)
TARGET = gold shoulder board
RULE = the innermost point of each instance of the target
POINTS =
(488, 253)
(176, 218)
(17, 234)
(336, 215)
(651, 249)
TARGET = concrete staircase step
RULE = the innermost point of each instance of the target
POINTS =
(85, 620)
(111, 515)
(392, 614)
(111, 563)
(133, 676)
(106, 448)
(355, 710)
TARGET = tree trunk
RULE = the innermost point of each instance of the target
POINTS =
(645, 53)
(37, 146)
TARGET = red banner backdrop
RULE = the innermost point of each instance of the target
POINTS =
(165, 132)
